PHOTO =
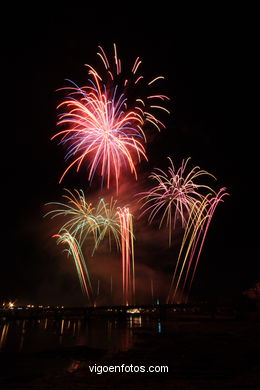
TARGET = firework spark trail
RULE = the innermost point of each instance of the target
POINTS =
(178, 195)
(83, 219)
(190, 236)
(80, 215)
(127, 249)
(98, 125)
(107, 220)
(175, 195)
(192, 244)
(213, 203)
(75, 251)
(104, 220)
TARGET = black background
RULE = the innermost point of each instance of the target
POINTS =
(208, 57)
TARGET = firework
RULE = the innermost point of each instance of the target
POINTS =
(74, 250)
(175, 195)
(107, 221)
(127, 249)
(192, 244)
(79, 215)
(102, 126)
(83, 220)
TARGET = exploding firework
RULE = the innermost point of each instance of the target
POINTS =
(83, 220)
(80, 219)
(102, 126)
(74, 250)
(192, 243)
(178, 195)
(175, 195)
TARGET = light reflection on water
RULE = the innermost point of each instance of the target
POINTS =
(106, 333)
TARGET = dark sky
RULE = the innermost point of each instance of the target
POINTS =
(209, 62)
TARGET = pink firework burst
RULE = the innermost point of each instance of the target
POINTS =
(175, 194)
(100, 126)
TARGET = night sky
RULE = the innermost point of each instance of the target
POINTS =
(209, 63)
